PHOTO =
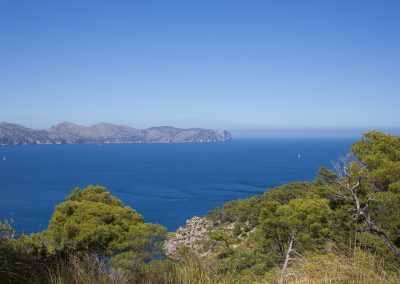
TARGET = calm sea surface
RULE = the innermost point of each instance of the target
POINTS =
(166, 183)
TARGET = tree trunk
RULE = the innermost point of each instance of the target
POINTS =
(364, 214)
(343, 172)
(287, 257)
(375, 230)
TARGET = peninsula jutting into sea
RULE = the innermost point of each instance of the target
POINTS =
(70, 133)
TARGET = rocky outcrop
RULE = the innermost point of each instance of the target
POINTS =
(192, 236)
(70, 133)
(197, 238)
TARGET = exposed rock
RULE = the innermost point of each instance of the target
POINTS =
(11, 133)
(70, 133)
(191, 236)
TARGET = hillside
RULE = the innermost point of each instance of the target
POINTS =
(343, 227)
(70, 133)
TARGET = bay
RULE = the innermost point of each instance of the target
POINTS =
(166, 183)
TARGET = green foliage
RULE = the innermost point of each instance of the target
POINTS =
(312, 212)
(325, 176)
(386, 212)
(308, 221)
(222, 236)
(93, 220)
(97, 194)
(16, 264)
(90, 222)
(283, 194)
(308, 218)
(380, 153)
(243, 211)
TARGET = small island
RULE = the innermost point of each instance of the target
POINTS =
(70, 133)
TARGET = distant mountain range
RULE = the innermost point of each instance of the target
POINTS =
(70, 133)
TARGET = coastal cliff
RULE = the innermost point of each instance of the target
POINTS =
(70, 133)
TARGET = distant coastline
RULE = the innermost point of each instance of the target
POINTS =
(106, 133)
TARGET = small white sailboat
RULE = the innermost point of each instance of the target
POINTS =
(298, 156)
(4, 158)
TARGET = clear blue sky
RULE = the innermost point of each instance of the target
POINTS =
(220, 64)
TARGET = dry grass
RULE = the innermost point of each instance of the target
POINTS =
(90, 271)
(72, 269)
(362, 267)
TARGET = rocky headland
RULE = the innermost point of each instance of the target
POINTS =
(70, 133)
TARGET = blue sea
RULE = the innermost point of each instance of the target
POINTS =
(166, 183)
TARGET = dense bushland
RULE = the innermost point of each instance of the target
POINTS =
(343, 227)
